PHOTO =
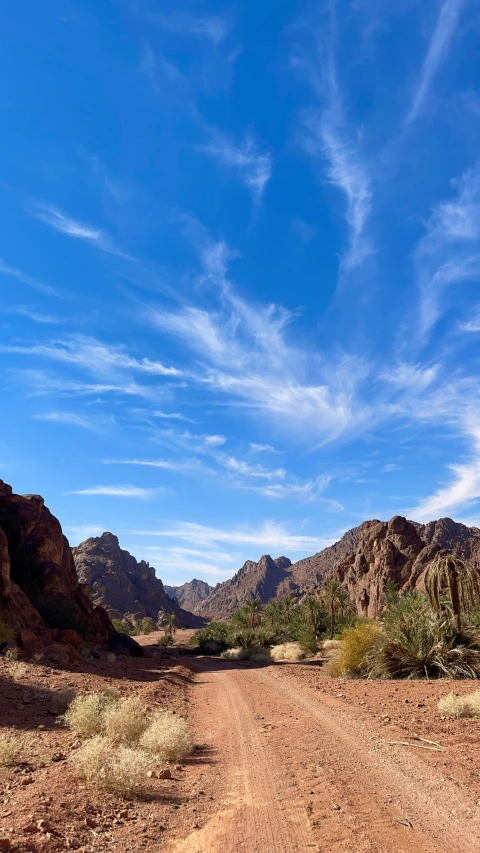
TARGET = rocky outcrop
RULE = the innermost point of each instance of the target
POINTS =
(190, 595)
(123, 586)
(40, 596)
(264, 580)
(399, 551)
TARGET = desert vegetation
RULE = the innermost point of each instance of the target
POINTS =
(279, 630)
(122, 739)
(419, 635)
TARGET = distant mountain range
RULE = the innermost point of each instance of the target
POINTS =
(190, 595)
(363, 560)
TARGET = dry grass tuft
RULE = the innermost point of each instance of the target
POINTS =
(331, 644)
(351, 658)
(17, 669)
(235, 654)
(259, 655)
(62, 699)
(86, 714)
(121, 769)
(288, 652)
(167, 737)
(125, 721)
(460, 706)
(11, 744)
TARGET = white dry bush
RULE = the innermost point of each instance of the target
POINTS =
(125, 721)
(460, 706)
(235, 654)
(120, 769)
(259, 655)
(10, 746)
(331, 644)
(288, 652)
(86, 714)
(167, 737)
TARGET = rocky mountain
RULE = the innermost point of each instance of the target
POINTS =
(121, 585)
(399, 550)
(364, 559)
(190, 594)
(264, 580)
(40, 595)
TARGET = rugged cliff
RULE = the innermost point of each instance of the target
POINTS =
(40, 596)
(190, 595)
(264, 580)
(122, 585)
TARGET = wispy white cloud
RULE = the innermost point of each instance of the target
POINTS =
(437, 51)
(42, 384)
(326, 135)
(269, 536)
(449, 253)
(29, 280)
(117, 491)
(71, 419)
(175, 416)
(241, 467)
(262, 448)
(211, 27)
(462, 491)
(35, 316)
(66, 224)
(472, 325)
(182, 465)
(92, 355)
(253, 167)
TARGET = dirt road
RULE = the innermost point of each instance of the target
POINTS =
(298, 773)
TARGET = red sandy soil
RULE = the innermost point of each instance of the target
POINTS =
(289, 760)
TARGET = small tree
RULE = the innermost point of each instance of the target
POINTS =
(170, 628)
(335, 600)
(314, 614)
(147, 625)
(457, 577)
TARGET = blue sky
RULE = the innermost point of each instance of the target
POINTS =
(239, 265)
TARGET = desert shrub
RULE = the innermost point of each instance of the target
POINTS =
(147, 625)
(6, 633)
(234, 654)
(125, 721)
(214, 633)
(10, 746)
(351, 656)
(86, 714)
(16, 668)
(165, 641)
(460, 706)
(259, 655)
(328, 645)
(167, 737)
(416, 642)
(120, 769)
(62, 699)
(288, 652)
(124, 627)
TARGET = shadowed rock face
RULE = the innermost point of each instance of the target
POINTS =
(39, 589)
(122, 585)
(190, 595)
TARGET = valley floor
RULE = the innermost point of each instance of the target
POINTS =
(286, 760)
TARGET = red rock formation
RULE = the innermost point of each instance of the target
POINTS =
(122, 585)
(39, 589)
(264, 580)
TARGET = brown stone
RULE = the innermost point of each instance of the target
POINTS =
(165, 774)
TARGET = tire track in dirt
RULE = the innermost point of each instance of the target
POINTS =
(276, 802)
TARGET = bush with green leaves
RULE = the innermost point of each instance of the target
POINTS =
(214, 634)
(6, 633)
(124, 627)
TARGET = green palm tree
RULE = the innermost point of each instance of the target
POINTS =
(458, 578)
(170, 628)
(335, 599)
(314, 614)
(253, 613)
